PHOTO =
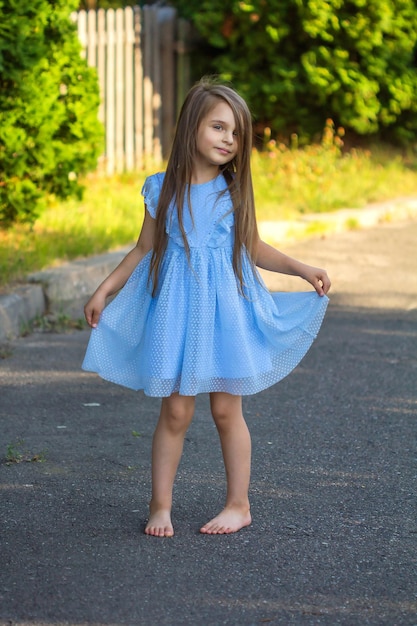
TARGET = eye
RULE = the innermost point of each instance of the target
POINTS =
(217, 126)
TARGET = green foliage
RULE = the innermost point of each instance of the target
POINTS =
(49, 131)
(298, 62)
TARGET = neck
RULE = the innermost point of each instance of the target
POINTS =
(204, 176)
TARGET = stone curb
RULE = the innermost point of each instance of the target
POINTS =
(18, 308)
(65, 289)
(338, 221)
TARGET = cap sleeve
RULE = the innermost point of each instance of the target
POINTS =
(151, 190)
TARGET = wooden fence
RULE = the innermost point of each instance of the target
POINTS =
(143, 71)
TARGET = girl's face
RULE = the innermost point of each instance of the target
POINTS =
(217, 141)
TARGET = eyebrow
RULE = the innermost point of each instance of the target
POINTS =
(220, 122)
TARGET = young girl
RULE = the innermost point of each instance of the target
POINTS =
(194, 315)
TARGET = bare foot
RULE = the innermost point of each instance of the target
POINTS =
(159, 524)
(230, 520)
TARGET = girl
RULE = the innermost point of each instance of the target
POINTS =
(194, 315)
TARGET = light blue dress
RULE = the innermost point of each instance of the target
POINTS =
(199, 333)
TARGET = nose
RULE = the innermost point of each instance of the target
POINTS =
(228, 137)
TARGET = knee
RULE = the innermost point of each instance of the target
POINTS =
(225, 410)
(220, 414)
(177, 414)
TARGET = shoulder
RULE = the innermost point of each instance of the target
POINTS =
(153, 182)
(151, 190)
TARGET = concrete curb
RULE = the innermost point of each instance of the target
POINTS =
(18, 308)
(68, 287)
(65, 289)
(338, 221)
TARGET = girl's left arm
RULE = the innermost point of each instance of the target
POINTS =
(269, 258)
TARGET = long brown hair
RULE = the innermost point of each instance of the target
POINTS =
(201, 99)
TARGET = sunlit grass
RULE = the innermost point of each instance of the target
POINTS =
(109, 216)
(289, 181)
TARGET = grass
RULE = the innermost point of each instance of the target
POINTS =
(54, 323)
(289, 181)
(109, 216)
(15, 453)
(5, 351)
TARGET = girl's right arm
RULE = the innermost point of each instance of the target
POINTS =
(118, 278)
(269, 258)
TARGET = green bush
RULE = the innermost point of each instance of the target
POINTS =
(298, 62)
(49, 130)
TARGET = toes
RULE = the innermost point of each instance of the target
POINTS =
(159, 524)
(215, 530)
(159, 532)
(226, 523)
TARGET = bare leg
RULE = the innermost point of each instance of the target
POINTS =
(168, 440)
(236, 448)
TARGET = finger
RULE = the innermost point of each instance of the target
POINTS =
(326, 284)
(318, 286)
(95, 318)
(90, 316)
(87, 315)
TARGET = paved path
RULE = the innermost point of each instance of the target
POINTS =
(334, 535)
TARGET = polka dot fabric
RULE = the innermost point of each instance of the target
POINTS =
(199, 333)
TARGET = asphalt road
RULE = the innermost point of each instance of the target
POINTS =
(333, 494)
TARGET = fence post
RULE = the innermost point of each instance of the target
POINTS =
(138, 71)
(91, 38)
(120, 86)
(129, 92)
(166, 20)
(110, 81)
(81, 18)
(101, 60)
(156, 81)
(183, 61)
(147, 83)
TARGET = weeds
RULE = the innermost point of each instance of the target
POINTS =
(352, 224)
(5, 351)
(15, 453)
(56, 323)
(51, 323)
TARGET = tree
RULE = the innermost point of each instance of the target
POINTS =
(299, 62)
(49, 130)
